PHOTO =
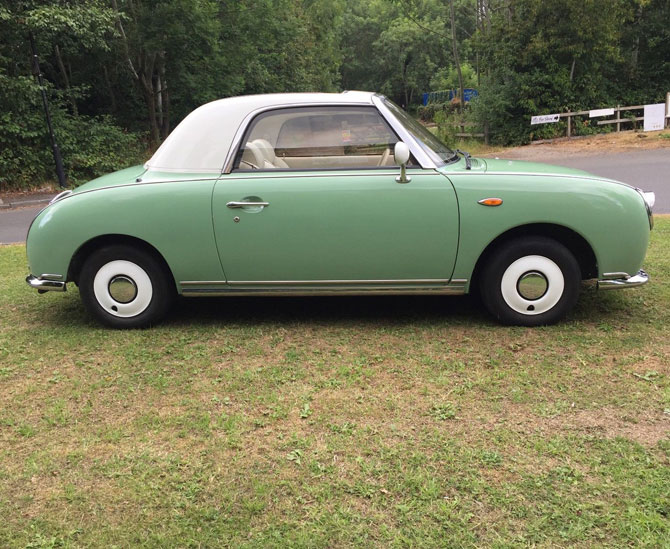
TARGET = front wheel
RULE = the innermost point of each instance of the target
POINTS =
(531, 281)
(124, 287)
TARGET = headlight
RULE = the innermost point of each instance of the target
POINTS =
(649, 199)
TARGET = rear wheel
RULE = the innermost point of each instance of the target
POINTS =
(531, 281)
(124, 287)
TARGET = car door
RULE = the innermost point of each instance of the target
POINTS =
(313, 201)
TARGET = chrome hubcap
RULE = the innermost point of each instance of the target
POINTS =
(532, 285)
(122, 289)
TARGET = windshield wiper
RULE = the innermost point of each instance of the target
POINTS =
(466, 155)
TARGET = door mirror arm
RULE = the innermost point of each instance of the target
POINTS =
(401, 157)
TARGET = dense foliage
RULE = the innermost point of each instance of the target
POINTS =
(121, 73)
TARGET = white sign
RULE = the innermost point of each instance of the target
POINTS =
(544, 119)
(601, 112)
(654, 117)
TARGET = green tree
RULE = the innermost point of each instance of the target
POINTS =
(544, 56)
(393, 47)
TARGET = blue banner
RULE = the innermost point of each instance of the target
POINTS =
(447, 95)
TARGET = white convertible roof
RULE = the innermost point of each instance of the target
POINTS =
(202, 140)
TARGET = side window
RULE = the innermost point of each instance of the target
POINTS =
(317, 138)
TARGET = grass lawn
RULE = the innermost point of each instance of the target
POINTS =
(370, 422)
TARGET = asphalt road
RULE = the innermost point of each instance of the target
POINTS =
(647, 169)
(14, 223)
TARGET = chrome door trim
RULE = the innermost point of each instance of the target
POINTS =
(417, 151)
(377, 102)
(241, 130)
(282, 174)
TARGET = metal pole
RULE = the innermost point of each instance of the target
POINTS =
(60, 172)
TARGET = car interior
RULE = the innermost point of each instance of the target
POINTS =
(319, 138)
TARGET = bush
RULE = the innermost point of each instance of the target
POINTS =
(446, 130)
(427, 113)
(93, 146)
(90, 146)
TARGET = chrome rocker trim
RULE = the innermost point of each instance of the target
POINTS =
(192, 288)
(615, 281)
(46, 283)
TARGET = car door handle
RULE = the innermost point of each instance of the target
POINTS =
(234, 205)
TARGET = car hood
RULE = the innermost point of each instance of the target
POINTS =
(122, 177)
(520, 166)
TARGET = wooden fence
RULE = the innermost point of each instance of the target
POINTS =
(463, 124)
(618, 120)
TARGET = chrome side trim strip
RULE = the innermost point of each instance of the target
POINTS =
(213, 292)
(142, 183)
(539, 174)
(313, 282)
(269, 174)
(323, 287)
(625, 282)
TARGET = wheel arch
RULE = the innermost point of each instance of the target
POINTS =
(572, 240)
(86, 249)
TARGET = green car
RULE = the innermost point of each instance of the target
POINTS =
(334, 194)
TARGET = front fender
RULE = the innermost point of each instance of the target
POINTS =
(174, 217)
(610, 216)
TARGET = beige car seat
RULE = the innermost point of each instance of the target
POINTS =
(252, 157)
(267, 151)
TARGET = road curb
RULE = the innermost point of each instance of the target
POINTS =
(22, 203)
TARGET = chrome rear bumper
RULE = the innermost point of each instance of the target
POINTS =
(623, 280)
(46, 283)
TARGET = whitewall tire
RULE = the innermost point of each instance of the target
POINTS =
(125, 287)
(531, 281)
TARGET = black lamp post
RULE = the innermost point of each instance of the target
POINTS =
(60, 172)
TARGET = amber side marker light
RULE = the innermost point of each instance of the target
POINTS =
(490, 201)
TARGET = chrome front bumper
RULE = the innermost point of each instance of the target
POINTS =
(46, 283)
(623, 280)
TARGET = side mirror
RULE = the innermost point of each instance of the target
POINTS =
(401, 157)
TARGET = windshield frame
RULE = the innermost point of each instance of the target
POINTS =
(427, 148)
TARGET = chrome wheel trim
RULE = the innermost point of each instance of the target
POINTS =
(519, 273)
(532, 285)
(122, 289)
(115, 272)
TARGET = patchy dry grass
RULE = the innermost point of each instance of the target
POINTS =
(336, 422)
(599, 144)
(544, 151)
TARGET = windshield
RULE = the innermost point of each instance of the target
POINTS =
(433, 147)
